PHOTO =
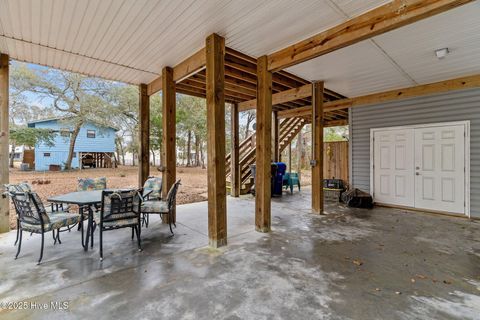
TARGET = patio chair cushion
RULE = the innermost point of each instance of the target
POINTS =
(56, 220)
(154, 206)
(90, 184)
(125, 219)
(153, 186)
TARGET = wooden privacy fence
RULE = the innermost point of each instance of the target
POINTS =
(335, 159)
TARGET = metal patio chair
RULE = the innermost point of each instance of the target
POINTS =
(33, 218)
(119, 209)
(11, 189)
(152, 191)
(161, 207)
(91, 184)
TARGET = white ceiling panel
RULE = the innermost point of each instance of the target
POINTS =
(102, 36)
(354, 70)
(413, 47)
(132, 40)
(355, 7)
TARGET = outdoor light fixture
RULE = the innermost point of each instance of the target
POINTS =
(442, 53)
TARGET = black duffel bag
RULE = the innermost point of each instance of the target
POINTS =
(356, 198)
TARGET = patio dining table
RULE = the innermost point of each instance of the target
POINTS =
(84, 200)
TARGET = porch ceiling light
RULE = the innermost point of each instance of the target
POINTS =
(442, 53)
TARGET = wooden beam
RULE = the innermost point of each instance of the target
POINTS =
(4, 132)
(235, 182)
(217, 201)
(297, 112)
(390, 16)
(187, 67)
(275, 137)
(144, 136)
(461, 83)
(263, 147)
(317, 147)
(302, 92)
(169, 154)
(409, 92)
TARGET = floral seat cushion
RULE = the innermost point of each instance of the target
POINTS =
(154, 206)
(90, 184)
(55, 220)
(125, 219)
(153, 187)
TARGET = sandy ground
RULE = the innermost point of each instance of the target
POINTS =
(193, 188)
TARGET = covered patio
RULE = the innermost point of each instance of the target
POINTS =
(347, 264)
(295, 63)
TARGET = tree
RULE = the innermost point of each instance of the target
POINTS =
(249, 117)
(32, 136)
(76, 98)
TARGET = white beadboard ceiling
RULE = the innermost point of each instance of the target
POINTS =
(132, 40)
(403, 57)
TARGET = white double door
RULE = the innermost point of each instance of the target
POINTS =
(421, 167)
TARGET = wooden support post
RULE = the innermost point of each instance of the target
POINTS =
(275, 136)
(235, 182)
(263, 149)
(290, 157)
(144, 136)
(4, 130)
(317, 147)
(217, 200)
(169, 153)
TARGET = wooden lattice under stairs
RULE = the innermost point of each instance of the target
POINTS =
(288, 130)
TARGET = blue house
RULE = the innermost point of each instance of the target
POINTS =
(94, 147)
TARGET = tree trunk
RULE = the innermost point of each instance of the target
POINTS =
(197, 151)
(73, 139)
(299, 154)
(12, 155)
(189, 147)
(202, 156)
(153, 157)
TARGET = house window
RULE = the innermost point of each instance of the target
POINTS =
(74, 155)
(90, 133)
(46, 155)
(65, 132)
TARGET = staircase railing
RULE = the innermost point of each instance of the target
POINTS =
(288, 130)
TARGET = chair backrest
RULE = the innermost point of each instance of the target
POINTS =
(120, 202)
(172, 195)
(90, 184)
(153, 187)
(29, 208)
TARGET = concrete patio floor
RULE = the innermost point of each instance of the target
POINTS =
(348, 264)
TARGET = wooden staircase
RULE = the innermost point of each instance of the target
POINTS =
(288, 130)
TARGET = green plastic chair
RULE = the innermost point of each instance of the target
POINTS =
(290, 179)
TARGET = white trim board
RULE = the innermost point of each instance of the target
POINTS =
(465, 123)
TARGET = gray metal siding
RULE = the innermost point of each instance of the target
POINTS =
(453, 106)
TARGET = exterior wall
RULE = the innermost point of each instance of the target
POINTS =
(104, 141)
(447, 107)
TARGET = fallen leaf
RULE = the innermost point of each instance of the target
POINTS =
(398, 292)
(421, 276)
(378, 289)
(447, 282)
(357, 262)
(412, 280)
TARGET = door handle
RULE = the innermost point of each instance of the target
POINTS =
(417, 173)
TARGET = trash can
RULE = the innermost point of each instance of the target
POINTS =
(253, 170)
(277, 180)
